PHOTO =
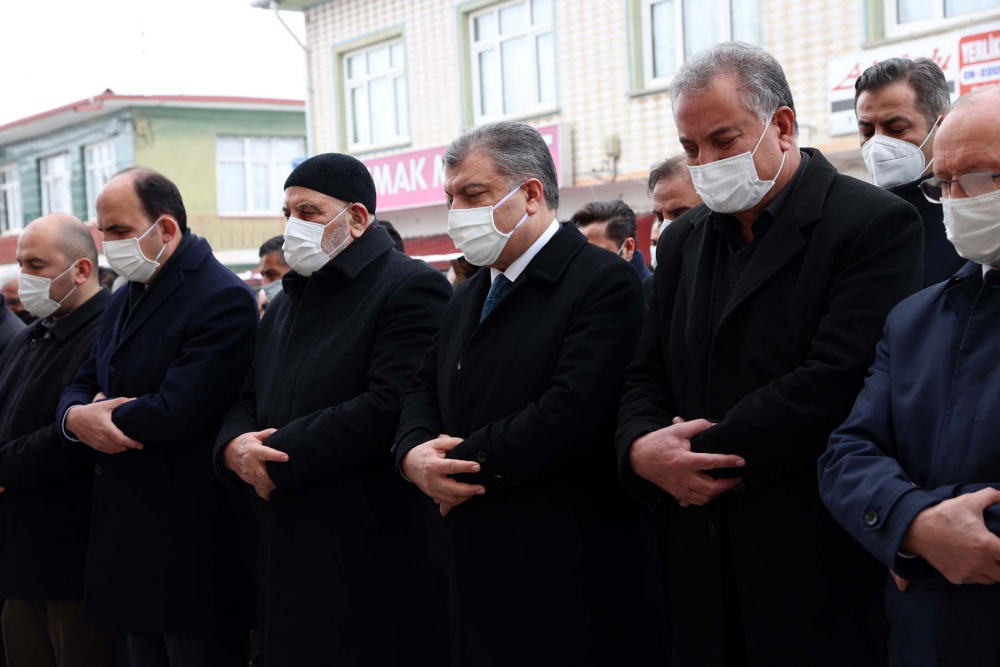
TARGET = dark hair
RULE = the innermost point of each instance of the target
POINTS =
(394, 235)
(923, 75)
(618, 215)
(670, 168)
(274, 244)
(158, 194)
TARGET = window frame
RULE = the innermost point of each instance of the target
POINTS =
(348, 85)
(936, 23)
(105, 168)
(248, 162)
(475, 48)
(47, 179)
(11, 191)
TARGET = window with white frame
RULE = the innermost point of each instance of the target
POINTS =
(10, 199)
(56, 195)
(251, 172)
(375, 96)
(513, 60)
(904, 17)
(99, 164)
(675, 30)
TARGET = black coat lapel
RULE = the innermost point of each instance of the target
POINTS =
(697, 275)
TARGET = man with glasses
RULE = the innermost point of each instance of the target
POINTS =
(914, 472)
(899, 104)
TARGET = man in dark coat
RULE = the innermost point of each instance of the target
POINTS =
(899, 103)
(914, 472)
(48, 486)
(10, 324)
(517, 399)
(763, 318)
(313, 429)
(175, 344)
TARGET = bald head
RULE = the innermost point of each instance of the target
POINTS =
(969, 137)
(59, 247)
(64, 234)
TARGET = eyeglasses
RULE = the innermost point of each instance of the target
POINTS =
(972, 184)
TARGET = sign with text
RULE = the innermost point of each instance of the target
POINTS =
(979, 61)
(415, 179)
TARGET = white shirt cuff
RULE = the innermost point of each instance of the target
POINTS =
(66, 433)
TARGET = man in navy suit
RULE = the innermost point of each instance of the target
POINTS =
(174, 347)
(914, 472)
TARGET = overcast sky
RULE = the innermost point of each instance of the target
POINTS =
(53, 52)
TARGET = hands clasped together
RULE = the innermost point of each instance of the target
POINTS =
(247, 456)
(428, 467)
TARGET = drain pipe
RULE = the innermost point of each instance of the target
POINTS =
(309, 84)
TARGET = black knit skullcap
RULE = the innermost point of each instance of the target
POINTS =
(340, 176)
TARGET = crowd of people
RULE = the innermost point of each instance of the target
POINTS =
(773, 449)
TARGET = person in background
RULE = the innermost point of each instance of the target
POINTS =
(106, 278)
(174, 346)
(273, 268)
(312, 431)
(461, 270)
(611, 225)
(768, 304)
(673, 195)
(397, 240)
(914, 473)
(47, 487)
(9, 292)
(899, 104)
(509, 422)
(10, 323)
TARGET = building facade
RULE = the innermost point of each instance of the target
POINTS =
(228, 156)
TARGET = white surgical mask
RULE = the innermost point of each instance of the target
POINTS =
(893, 161)
(128, 260)
(732, 185)
(35, 293)
(652, 259)
(272, 290)
(475, 233)
(303, 245)
(973, 227)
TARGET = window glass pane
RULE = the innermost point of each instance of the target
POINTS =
(260, 147)
(514, 54)
(261, 187)
(286, 148)
(956, 7)
(513, 19)
(913, 10)
(745, 21)
(232, 186)
(383, 109)
(402, 112)
(541, 12)
(546, 68)
(397, 55)
(356, 66)
(664, 39)
(359, 105)
(701, 25)
(489, 83)
(229, 146)
(486, 26)
(378, 61)
(5, 214)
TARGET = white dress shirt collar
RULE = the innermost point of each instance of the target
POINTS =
(521, 263)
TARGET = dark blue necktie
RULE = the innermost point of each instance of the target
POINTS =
(497, 290)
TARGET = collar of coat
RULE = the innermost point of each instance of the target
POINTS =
(368, 247)
(552, 260)
(66, 326)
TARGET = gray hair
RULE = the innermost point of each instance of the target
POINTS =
(762, 82)
(922, 74)
(517, 150)
(671, 168)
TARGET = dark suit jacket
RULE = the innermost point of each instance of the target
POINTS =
(781, 372)
(46, 506)
(334, 356)
(10, 324)
(923, 430)
(545, 567)
(941, 260)
(162, 542)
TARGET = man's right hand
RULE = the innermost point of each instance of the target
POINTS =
(247, 456)
(664, 457)
(954, 539)
(92, 425)
(428, 467)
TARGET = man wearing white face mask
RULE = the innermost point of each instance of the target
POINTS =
(312, 432)
(764, 319)
(174, 346)
(914, 472)
(46, 503)
(899, 104)
(509, 425)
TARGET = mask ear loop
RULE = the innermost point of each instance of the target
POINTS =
(784, 154)
(921, 146)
